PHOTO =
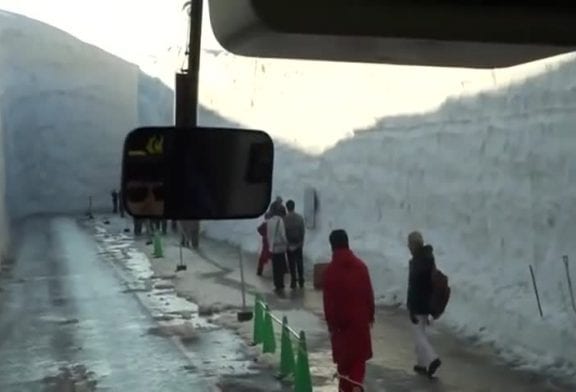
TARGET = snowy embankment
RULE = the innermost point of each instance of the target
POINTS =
(65, 109)
(4, 232)
(488, 175)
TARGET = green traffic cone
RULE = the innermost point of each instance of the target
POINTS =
(269, 340)
(158, 252)
(287, 363)
(257, 337)
(302, 378)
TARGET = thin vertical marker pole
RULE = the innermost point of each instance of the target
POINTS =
(536, 292)
(242, 282)
(569, 279)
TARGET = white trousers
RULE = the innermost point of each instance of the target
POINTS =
(425, 353)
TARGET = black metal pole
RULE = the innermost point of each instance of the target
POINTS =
(194, 50)
(569, 279)
(536, 292)
(187, 90)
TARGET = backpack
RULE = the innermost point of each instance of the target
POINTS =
(440, 293)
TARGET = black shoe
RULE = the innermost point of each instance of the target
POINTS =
(293, 285)
(259, 272)
(421, 370)
(301, 285)
(434, 367)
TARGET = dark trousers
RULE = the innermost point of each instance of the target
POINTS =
(278, 269)
(296, 263)
(159, 225)
(137, 226)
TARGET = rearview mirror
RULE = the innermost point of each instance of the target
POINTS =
(197, 173)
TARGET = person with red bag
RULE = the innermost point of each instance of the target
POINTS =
(265, 252)
(349, 311)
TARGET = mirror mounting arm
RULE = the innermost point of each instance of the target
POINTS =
(187, 84)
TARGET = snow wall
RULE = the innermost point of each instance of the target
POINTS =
(487, 171)
(4, 232)
(65, 109)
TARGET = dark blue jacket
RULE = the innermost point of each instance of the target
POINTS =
(420, 281)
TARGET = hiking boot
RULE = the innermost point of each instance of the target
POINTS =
(434, 367)
(420, 370)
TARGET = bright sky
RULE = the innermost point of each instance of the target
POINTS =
(152, 34)
(146, 32)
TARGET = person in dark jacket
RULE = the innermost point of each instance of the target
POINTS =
(295, 233)
(120, 204)
(420, 287)
(349, 311)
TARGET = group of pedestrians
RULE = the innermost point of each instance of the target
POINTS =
(349, 308)
(283, 233)
(348, 296)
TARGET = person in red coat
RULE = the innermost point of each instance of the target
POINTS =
(349, 311)
(265, 252)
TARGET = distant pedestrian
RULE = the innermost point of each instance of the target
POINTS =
(265, 252)
(114, 195)
(120, 204)
(277, 244)
(420, 290)
(295, 233)
(349, 311)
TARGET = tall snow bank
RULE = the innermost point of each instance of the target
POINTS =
(66, 107)
(489, 176)
(4, 232)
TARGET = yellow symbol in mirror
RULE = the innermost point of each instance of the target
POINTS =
(155, 145)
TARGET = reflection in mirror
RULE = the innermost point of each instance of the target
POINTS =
(144, 174)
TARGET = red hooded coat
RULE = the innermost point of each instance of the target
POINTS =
(265, 252)
(348, 307)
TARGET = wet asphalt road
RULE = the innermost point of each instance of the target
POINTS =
(67, 325)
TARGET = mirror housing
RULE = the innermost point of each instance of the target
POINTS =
(197, 173)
